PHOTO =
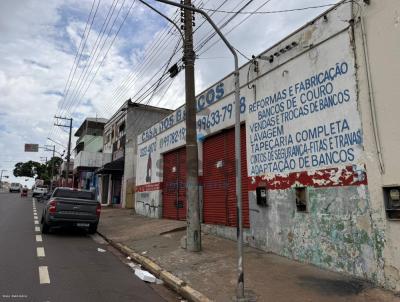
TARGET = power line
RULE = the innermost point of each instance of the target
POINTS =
(270, 12)
(235, 26)
(146, 62)
(105, 56)
(78, 53)
(212, 33)
(80, 56)
(94, 55)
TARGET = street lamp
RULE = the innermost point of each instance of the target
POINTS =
(240, 281)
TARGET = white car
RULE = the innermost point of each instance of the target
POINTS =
(15, 187)
(39, 190)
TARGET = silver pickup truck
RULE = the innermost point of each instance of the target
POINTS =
(71, 207)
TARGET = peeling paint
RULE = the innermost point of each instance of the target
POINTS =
(335, 234)
(332, 177)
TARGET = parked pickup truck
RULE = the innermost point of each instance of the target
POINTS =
(71, 207)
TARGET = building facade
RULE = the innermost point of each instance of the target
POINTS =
(319, 144)
(88, 153)
(61, 179)
(118, 173)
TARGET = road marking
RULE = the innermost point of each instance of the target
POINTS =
(35, 217)
(37, 229)
(39, 238)
(40, 251)
(36, 221)
(44, 275)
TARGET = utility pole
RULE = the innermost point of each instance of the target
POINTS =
(193, 231)
(68, 157)
(240, 271)
(52, 166)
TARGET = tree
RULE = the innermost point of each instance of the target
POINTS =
(27, 169)
(57, 164)
(38, 170)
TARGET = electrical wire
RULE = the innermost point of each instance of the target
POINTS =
(235, 26)
(95, 54)
(76, 63)
(105, 56)
(272, 11)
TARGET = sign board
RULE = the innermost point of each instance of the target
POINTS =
(31, 148)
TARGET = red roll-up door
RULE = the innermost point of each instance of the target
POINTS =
(174, 184)
(219, 179)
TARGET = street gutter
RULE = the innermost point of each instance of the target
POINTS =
(173, 282)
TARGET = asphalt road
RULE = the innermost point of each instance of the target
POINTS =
(61, 266)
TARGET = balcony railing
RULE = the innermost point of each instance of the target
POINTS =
(88, 159)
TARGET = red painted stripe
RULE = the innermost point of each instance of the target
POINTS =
(333, 177)
(155, 186)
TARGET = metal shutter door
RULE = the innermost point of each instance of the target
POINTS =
(215, 194)
(220, 181)
(174, 184)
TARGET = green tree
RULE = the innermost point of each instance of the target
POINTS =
(36, 169)
(57, 164)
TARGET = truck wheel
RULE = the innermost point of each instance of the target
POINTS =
(44, 227)
(92, 228)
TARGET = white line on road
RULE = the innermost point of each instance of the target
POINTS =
(44, 275)
(37, 229)
(39, 238)
(40, 251)
(35, 217)
(36, 221)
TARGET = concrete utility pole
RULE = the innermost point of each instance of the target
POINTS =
(193, 233)
(240, 281)
(68, 157)
(52, 168)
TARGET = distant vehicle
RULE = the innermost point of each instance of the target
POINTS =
(39, 190)
(39, 182)
(15, 187)
(24, 192)
(71, 207)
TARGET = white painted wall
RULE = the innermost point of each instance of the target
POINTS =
(382, 34)
(320, 45)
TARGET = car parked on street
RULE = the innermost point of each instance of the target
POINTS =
(71, 207)
(15, 187)
(39, 191)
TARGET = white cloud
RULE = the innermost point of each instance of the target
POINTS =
(38, 42)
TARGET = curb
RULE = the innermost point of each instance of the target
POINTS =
(170, 280)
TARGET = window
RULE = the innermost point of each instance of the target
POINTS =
(392, 202)
(67, 193)
(301, 199)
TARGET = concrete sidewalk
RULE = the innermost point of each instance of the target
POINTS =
(212, 272)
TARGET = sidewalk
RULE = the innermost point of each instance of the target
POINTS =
(213, 271)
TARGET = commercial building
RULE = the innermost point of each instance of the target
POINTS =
(319, 147)
(88, 153)
(118, 172)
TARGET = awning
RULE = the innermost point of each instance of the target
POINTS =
(114, 167)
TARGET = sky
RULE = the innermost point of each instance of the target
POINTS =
(84, 58)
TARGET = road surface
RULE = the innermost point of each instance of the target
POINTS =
(64, 265)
